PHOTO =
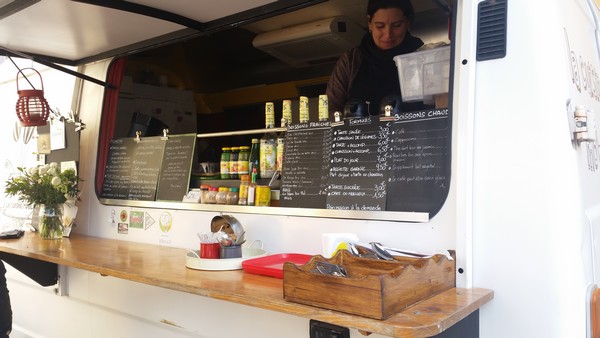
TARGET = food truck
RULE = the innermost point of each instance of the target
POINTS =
(503, 180)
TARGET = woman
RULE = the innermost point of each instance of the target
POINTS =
(368, 73)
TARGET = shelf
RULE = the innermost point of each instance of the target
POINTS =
(397, 216)
(428, 318)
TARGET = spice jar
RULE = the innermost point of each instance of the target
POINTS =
(211, 196)
(203, 192)
(243, 194)
(225, 163)
(222, 195)
(232, 196)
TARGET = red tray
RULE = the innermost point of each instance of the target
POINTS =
(272, 265)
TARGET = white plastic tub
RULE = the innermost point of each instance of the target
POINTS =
(424, 74)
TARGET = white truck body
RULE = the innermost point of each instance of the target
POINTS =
(523, 211)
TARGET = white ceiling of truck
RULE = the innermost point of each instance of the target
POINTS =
(74, 31)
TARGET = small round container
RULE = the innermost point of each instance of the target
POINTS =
(232, 196)
(211, 195)
(221, 197)
(203, 192)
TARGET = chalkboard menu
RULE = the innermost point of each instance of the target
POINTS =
(420, 165)
(306, 165)
(149, 168)
(132, 168)
(176, 167)
(359, 165)
(397, 163)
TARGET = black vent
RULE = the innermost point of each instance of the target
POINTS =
(491, 30)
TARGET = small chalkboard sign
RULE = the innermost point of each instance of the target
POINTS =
(359, 163)
(132, 168)
(176, 167)
(306, 165)
(419, 174)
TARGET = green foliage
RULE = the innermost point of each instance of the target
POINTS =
(44, 185)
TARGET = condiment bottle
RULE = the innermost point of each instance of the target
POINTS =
(323, 108)
(243, 158)
(285, 121)
(233, 163)
(211, 196)
(268, 144)
(232, 196)
(304, 115)
(243, 194)
(254, 159)
(252, 188)
(225, 156)
(221, 197)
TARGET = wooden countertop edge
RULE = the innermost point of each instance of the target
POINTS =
(427, 318)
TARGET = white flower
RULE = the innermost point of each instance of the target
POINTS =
(54, 165)
(55, 181)
(52, 171)
(33, 170)
(43, 169)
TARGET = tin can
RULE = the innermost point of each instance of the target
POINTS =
(263, 196)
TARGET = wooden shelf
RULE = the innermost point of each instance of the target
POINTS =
(165, 267)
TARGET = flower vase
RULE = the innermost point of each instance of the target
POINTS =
(50, 226)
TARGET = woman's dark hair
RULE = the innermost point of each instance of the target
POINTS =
(404, 5)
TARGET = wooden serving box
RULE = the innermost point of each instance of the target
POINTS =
(374, 288)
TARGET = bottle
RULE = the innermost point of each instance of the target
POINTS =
(323, 108)
(221, 197)
(268, 145)
(233, 163)
(285, 121)
(252, 187)
(225, 155)
(254, 159)
(243, 193)
(304, 115)
(232, 196)
(243, 158)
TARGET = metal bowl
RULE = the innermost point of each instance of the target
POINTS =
(229, 225)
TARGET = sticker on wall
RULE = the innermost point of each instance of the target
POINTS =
(123, 228)
(148, 221)
(136, 220)
(123, 215)
(112, 220)
(165, 222)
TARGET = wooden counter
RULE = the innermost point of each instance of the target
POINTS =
(165, 267)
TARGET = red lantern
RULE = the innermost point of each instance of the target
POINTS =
(32, 107)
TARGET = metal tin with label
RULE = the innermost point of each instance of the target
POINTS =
(263, 196)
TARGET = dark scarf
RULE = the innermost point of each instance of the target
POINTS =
(378, 75)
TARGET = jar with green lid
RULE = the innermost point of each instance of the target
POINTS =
(243, 158)
(222, 195)
(225, 162)
(233, 163)
(232, 196)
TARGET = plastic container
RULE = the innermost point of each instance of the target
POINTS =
(232, 196)
(211, 195)
(424, 74)
(243, 193)
(221, 197)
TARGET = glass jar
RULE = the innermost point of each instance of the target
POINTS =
(221, 197)
(233, 163)
(203, 192)
(243, 158)
(232, 196)
(225, 163)
(211, 196)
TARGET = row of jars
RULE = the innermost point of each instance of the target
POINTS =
(234, 162)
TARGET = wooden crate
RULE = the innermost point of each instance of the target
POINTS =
(374, 288)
